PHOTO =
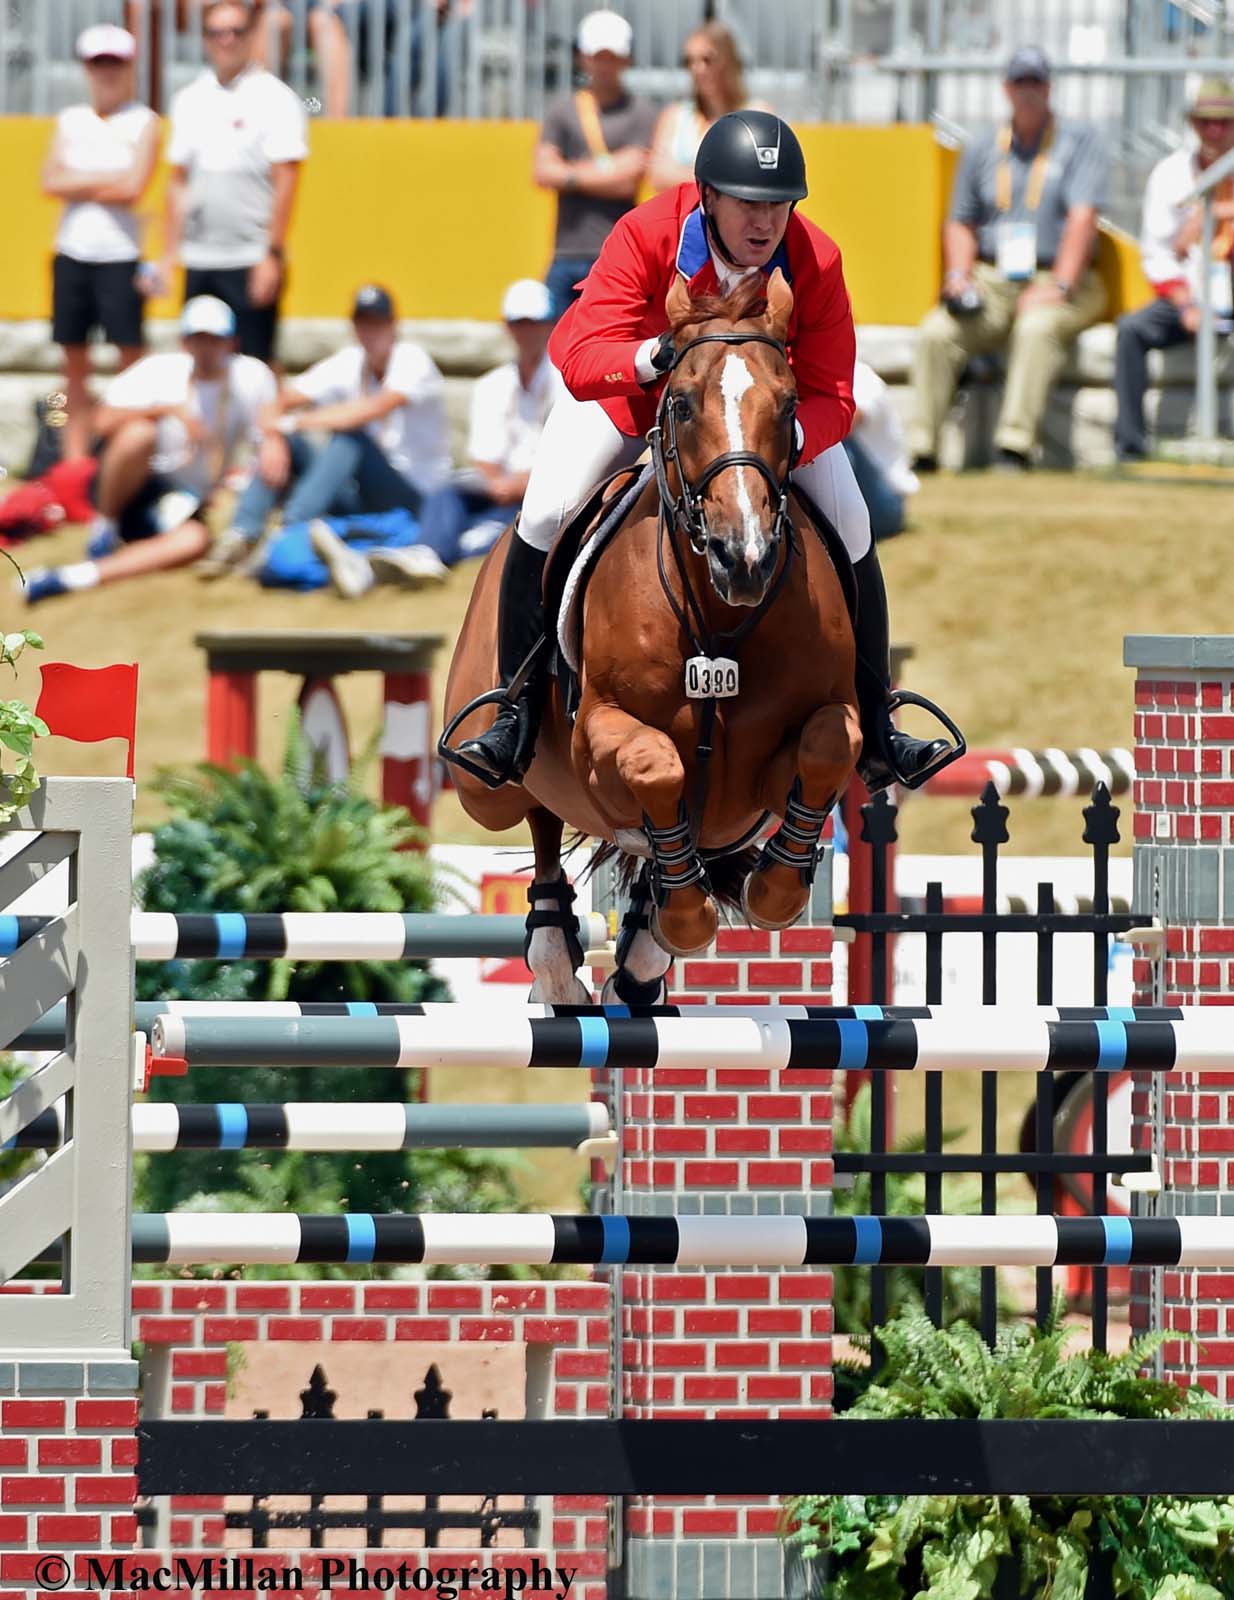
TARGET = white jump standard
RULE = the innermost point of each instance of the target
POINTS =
(506, 1239)
(990, 1038)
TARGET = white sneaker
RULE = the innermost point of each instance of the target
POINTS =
(414, 566)
(350, 572)
(230, 552)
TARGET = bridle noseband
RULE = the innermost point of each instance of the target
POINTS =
(686, 509)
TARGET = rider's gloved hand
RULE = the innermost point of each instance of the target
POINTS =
(664, 354)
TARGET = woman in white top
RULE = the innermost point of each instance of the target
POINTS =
(102, 157)
(714, 63)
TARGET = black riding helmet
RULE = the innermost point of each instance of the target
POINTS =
(752, 155)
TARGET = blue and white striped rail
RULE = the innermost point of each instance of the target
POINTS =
(342, 1126)
(316, 935)
(188, 1238)
(48, 1032)
(990, 1038)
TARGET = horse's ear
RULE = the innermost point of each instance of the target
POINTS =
(677, 303)
(779, 305)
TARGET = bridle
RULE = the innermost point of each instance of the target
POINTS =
(686, 508)
(685, 512)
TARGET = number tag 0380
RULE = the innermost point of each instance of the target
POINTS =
(708, 679)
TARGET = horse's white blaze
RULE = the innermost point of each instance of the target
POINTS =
(735, 381)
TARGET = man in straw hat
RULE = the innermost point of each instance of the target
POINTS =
(1173, 260)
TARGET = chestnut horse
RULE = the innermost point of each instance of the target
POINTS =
(716, 563)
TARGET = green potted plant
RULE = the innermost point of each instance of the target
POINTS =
(952, 1547)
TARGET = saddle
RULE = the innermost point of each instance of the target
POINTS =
(589, 533)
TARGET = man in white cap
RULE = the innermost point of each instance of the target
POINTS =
(378, 408)
(101, 159)
(1173, 260)
(172, 425)
(593, 153)
(238, 138)
(509, 407)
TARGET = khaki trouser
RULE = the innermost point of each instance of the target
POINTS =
(1039, 340)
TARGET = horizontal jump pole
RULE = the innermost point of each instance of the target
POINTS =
(1030, 773)
(827, 1455)
(342, 1126)
(988, 1038)
(186, 1238)
(48, 1032)
(316, 935)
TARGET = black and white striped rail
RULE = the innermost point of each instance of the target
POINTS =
(342, 1126)
(187, 1238)
(316, 935)
(1018, 771)
(948, 1039)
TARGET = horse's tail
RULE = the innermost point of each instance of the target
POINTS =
(726, 874)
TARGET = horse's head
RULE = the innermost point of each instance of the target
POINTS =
(727, 419)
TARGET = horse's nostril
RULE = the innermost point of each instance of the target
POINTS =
(721, 552)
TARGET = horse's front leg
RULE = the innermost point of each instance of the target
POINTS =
(778, 890)
(637, 768)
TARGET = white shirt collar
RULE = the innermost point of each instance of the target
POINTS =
(727, 277)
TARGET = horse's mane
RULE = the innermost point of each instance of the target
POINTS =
(748, 299)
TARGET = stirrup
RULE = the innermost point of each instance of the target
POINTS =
(957, 747)
(513, 697)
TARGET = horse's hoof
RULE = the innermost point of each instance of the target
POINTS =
(680, 947)
(610, 997)
(763, 916)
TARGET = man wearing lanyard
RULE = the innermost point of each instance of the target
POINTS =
(1018, 253)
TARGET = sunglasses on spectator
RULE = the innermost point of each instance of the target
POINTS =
(707, 60)
(227, 33)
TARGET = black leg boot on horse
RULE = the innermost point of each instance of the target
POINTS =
(505, 750)
(888, 755)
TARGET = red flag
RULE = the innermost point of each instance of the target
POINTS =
(90, 703)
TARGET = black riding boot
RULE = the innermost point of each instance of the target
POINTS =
(887, 755)
(520, 624)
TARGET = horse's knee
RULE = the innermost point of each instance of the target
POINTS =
(650, 767)
(830, 744)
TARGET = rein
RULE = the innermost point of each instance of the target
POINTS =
(685, 512)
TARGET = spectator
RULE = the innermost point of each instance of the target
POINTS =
(101, 159)
(381, 401)
(325, 26)
(1018, 251)
(1173, 260)
(237, 141)
(875, 447)
(592, 153)
(171, 425)
(509, 407)
(714, 64)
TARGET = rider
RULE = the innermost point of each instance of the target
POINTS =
(613, 351)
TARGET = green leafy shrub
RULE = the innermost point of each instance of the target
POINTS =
(19, 727)
(247, 841)
(950, 1547)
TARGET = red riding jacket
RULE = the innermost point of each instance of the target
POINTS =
(622, 305)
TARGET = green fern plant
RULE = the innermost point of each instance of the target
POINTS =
(948, 1547)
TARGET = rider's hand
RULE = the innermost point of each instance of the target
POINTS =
(664, 354)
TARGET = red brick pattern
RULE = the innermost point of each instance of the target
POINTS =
(1184, 797)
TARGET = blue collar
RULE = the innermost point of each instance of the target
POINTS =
(694, 251)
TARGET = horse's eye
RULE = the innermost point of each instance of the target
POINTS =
(789, 409)
(683, 408)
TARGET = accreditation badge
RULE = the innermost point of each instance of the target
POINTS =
(1017, 251)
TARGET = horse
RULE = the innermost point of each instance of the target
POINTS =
(715, 672)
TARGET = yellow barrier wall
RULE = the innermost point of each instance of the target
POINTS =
(446, 215)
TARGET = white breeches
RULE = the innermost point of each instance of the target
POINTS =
(580, 445)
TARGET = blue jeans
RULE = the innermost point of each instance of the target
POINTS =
(562, 275)
(346, 477)
(451, 512)
(885, 506)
